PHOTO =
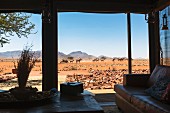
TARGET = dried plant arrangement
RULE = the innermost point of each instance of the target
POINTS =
(25, 63)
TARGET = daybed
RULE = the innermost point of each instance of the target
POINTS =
(131, 97)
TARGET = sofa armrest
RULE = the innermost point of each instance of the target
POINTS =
(138, 80)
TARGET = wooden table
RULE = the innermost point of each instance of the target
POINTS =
(61, 104)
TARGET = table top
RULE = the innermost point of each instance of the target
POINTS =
(61, 103)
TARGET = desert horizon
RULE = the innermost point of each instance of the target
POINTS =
(61, 55)
(95, 75)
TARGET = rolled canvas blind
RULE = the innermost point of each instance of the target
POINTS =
(165, 38)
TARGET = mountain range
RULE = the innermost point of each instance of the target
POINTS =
(15, 54)
(61, 55)
(76, 54)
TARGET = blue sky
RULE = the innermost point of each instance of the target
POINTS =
(95, 34)
(102, 34)
(34, 39)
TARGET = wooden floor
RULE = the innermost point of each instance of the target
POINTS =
(107, 102)
(106, 97)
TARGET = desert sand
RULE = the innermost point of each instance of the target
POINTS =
(98, 77)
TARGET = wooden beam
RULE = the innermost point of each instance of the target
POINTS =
(104, 6)
(161, 4)
(17, 5)
(101, 6)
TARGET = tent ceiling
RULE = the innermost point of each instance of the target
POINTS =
(115, 6)
(99, 6)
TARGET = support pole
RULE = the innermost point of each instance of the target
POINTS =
(49, 47)
(129, 44)
(154, 43)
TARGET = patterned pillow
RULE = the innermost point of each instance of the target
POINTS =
(159, 71)
(159, 87)
(166, 95)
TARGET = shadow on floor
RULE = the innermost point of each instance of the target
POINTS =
(107, 102)
(106, 97)
(111, 109)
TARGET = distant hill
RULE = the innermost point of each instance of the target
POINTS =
(61, 55)
(15, 54)
(83, 55)
(10, 54)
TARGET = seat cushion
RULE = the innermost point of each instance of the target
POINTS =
(127, 91)
(147, 104)
(159, 71)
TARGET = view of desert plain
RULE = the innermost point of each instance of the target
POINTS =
(96, 73)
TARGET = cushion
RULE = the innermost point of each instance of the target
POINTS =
(159, 87)
(127, 91)
(159, 71)
(147, 104)
(166, 94)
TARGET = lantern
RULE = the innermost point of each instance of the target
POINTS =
(165, 22)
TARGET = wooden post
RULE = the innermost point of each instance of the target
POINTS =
(154, 43)
(49, 49)
(129, 44)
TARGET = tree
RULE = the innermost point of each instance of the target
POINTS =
(71, 59)
(103, 58)
(14, 23)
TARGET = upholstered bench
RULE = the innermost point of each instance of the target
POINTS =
(133, 96)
